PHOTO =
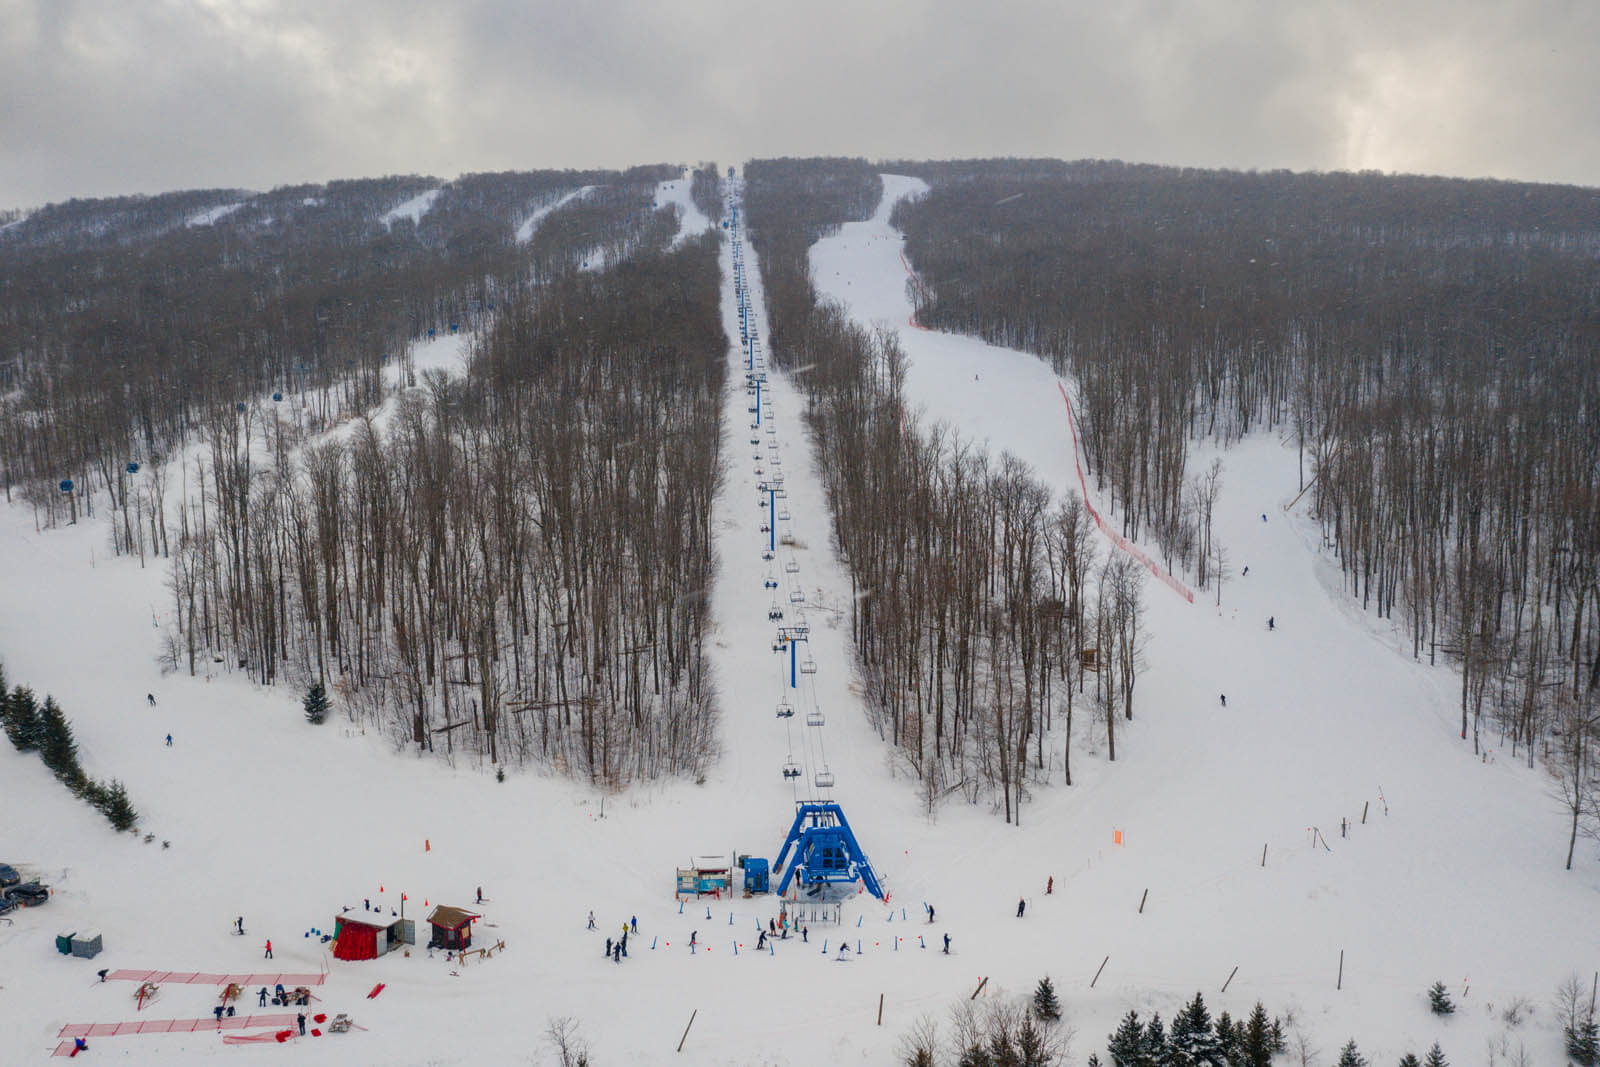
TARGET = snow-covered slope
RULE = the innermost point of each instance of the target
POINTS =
(412, 209)
(284, 823)
(530, 224)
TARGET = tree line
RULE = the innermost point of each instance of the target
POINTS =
(1429, 344)
(981, 616)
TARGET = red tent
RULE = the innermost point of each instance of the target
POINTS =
(356, 938)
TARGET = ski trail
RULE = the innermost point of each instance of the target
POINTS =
(529, 225)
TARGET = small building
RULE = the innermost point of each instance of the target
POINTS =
(706, 874)
(755, 876)
(86, 944)
(452, 927)
(369, 934)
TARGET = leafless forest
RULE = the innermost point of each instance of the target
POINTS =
(1430, 345)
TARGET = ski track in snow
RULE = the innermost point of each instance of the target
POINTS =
(412, 209)
(529, 225)
(211, 215)
(283, 822)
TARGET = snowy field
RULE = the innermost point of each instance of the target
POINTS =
(1455, 876)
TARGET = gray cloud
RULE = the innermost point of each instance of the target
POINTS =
(102, 97)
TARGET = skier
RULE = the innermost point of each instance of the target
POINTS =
(1021, 904)
(616, 953)
(268, 956)
(761, 941)
(623, 944)
(1224, 699)
(262, 996)
(1272, 622)
(591, 920)
(930, 914)
(608, 946)
(633, 923)
(301, 1019)
(1245, 571)
(151, 697)
(480, 894)
(1263, 516)
(947, 944)
(169, 740)
(1050, 883)
(692, 935)
(772, 926)
(803, 931)
(239, 923)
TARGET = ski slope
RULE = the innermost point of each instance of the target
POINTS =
(530, 225)
(284, 823)
(413, 209)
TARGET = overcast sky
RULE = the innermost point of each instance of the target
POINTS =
(105, 97)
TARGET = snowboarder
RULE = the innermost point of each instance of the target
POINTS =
(301, 1019)
(239, 924)
(268, 956)
(591, 920)
(151, 697)
(947, 944)
(761, 941)
(262, 997)
(1224, 699)
(608, 946)
(1021, 904)
(169, 740)
(1272, 622)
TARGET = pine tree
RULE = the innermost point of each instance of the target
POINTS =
(57, 747)
(1410, 1060)
(1193, 1042)
(1031, 1047)
(1435, 1057)
(1126, 1046)
(1157, 1049)
(1045, 1004)
(1094, 1060)
(1256, 1041)
(22, 719)
(1439, 999)
(113, 801)
(1350, 1056)
(1227, 1039)
(316, 705)
(1583, 1042)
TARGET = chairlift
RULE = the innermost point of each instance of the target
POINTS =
(792, 567)
(814, 717)
(797, 596)
(824, 779)
(774, 613)
(765, 528)
(791, 769)
(783, 514)
(808, 666)
(771, 428)
(786, 538)
(785, 710)
(771, 582)
(766, 555)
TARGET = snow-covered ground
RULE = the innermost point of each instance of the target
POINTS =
(692, 222)
(1457, 877)
(412, 209)
(212, 214)
(525, 231)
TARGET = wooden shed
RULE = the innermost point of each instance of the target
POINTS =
(452, 927)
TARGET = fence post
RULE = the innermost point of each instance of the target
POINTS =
(1230, 977)
(1263, 855)
(880, 1009)
(1102, 967)
(1141, 899)
(1340, 983)
(685, 1036)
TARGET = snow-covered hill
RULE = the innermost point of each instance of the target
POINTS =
(1455, 874)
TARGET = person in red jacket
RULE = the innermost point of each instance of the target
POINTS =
(268, 956)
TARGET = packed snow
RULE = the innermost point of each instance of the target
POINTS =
(530, 224)
(1454, 875)
(412, 209)
(692, 222)
(212, 214)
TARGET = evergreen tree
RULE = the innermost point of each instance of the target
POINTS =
(1227, 1039)
(1045, 1004)
(1410, 1060)
(1256, 1040)
(1157, 1049)
(1193, 1042)
(1126, 1046)
(1032, 1048)
(1435, 1057)
(1094, 1060)
(1439, 999)
(57, 747)
(1276, 1042)
(316, 705)
(1350, 1056)
(1583, 1042)
(113, 801)
(22, 719)
(5, 699)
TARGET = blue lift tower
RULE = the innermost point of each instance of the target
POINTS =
(826, 852)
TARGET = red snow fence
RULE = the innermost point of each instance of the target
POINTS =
(175, 1026)
(268, 978)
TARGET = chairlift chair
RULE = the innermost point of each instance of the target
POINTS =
(771, 583)
(783, 514)
(785, 710)
(766, 555)
(791, 769)
(793, 566)
(774, 613)
(814, 717)
(824, 779)
(808, 666)
(797, 596)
